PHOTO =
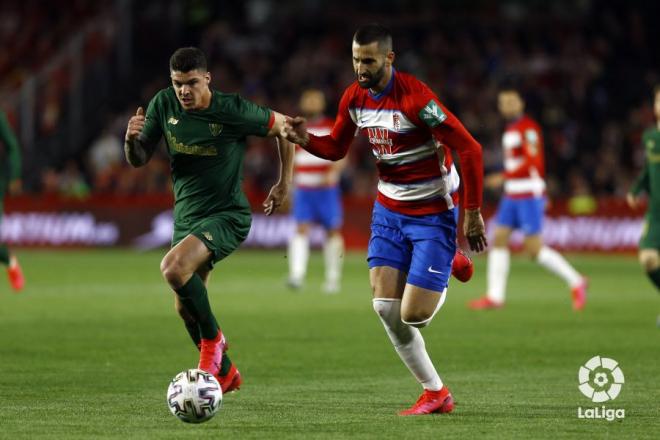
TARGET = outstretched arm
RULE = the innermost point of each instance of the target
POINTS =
(138, 151)
(286, 150)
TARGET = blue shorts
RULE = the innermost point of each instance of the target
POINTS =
(423, 246)
(322, 206)
(524, 214)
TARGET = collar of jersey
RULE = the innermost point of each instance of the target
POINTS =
(386, 90)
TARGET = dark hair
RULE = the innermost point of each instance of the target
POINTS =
(186, 59)
(369, 33)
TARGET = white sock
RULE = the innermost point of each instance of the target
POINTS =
(555, 263)
(408, 343)
(298, 257)
(333, 250)
(498, 272)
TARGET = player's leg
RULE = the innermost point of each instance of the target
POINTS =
(650, 261)
(179, 268)
(14, 271)
(330, 214)
(298, 252)
(532, 223)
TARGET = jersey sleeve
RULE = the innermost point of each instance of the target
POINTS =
(257, 120)
(335, 145)
(642, 183)
(447, 129)
(153, 129)
(13, 150)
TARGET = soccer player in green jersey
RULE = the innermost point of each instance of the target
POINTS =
(10, 178)
(205, 131)
(649, 182)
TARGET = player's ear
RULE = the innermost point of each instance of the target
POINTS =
(207, 77)
(389, 58)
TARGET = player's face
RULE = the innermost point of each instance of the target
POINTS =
(510, 104)
(370, 65)
(192, 88)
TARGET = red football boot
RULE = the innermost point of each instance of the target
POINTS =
(484, 303)
(231, 381)
(16, 278)
(462, 267)
(210, 354)
(431, 402)
(579, 294)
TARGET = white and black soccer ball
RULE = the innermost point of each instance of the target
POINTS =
(194, 396)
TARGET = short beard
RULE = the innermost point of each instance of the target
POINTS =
(378, 76)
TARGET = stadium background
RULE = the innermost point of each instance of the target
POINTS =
(72, 73)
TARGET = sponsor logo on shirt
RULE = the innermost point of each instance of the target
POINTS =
(207, 235)
(173, 121)
(432, 114)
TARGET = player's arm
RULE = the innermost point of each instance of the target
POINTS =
(138, 146)
(448, 129)
(331, 147)
(13, 154)
(641, 184)
(286, 151)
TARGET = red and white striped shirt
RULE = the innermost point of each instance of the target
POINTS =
(312, 171)
(411, 134)
(524, 168)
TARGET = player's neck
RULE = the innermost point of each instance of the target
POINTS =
(382, 85)
(206, 100)
(657, 124)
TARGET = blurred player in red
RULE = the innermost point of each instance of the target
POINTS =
(413, 229)
(316, 199)
(522, 206)
(10, 178)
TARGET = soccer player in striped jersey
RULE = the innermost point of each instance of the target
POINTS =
(413, 230)
(522, 206)
(649, 182)
(10, 179)
(316, 199)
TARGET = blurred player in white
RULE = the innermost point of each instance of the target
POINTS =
(316, 199)
(522, 206)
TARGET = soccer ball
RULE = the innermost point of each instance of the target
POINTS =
(194, 396)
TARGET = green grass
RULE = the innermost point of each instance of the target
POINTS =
(88, 349)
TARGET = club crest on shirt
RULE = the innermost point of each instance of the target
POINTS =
(396, 121)
(173, 121)
(215, 129)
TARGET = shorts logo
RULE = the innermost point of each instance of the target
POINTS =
(173, 121)
(215, 129)
(600, 379)
(432, 114)
(207, 235)
(430, 269)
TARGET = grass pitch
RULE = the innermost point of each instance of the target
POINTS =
(88, 349)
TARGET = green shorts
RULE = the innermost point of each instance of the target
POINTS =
(650, 233)
(221, 233)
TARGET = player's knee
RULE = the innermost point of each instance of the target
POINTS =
(649, 261)
(417, 318)
(173, 270)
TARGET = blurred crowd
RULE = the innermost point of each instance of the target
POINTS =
(586, 70)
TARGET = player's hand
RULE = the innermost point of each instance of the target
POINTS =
(276, 197)
(475, 230)
(135, 125)
(295, 130)
(494, 181)
(15, 187)
(633, 200)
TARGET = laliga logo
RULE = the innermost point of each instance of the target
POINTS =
(601, 380)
